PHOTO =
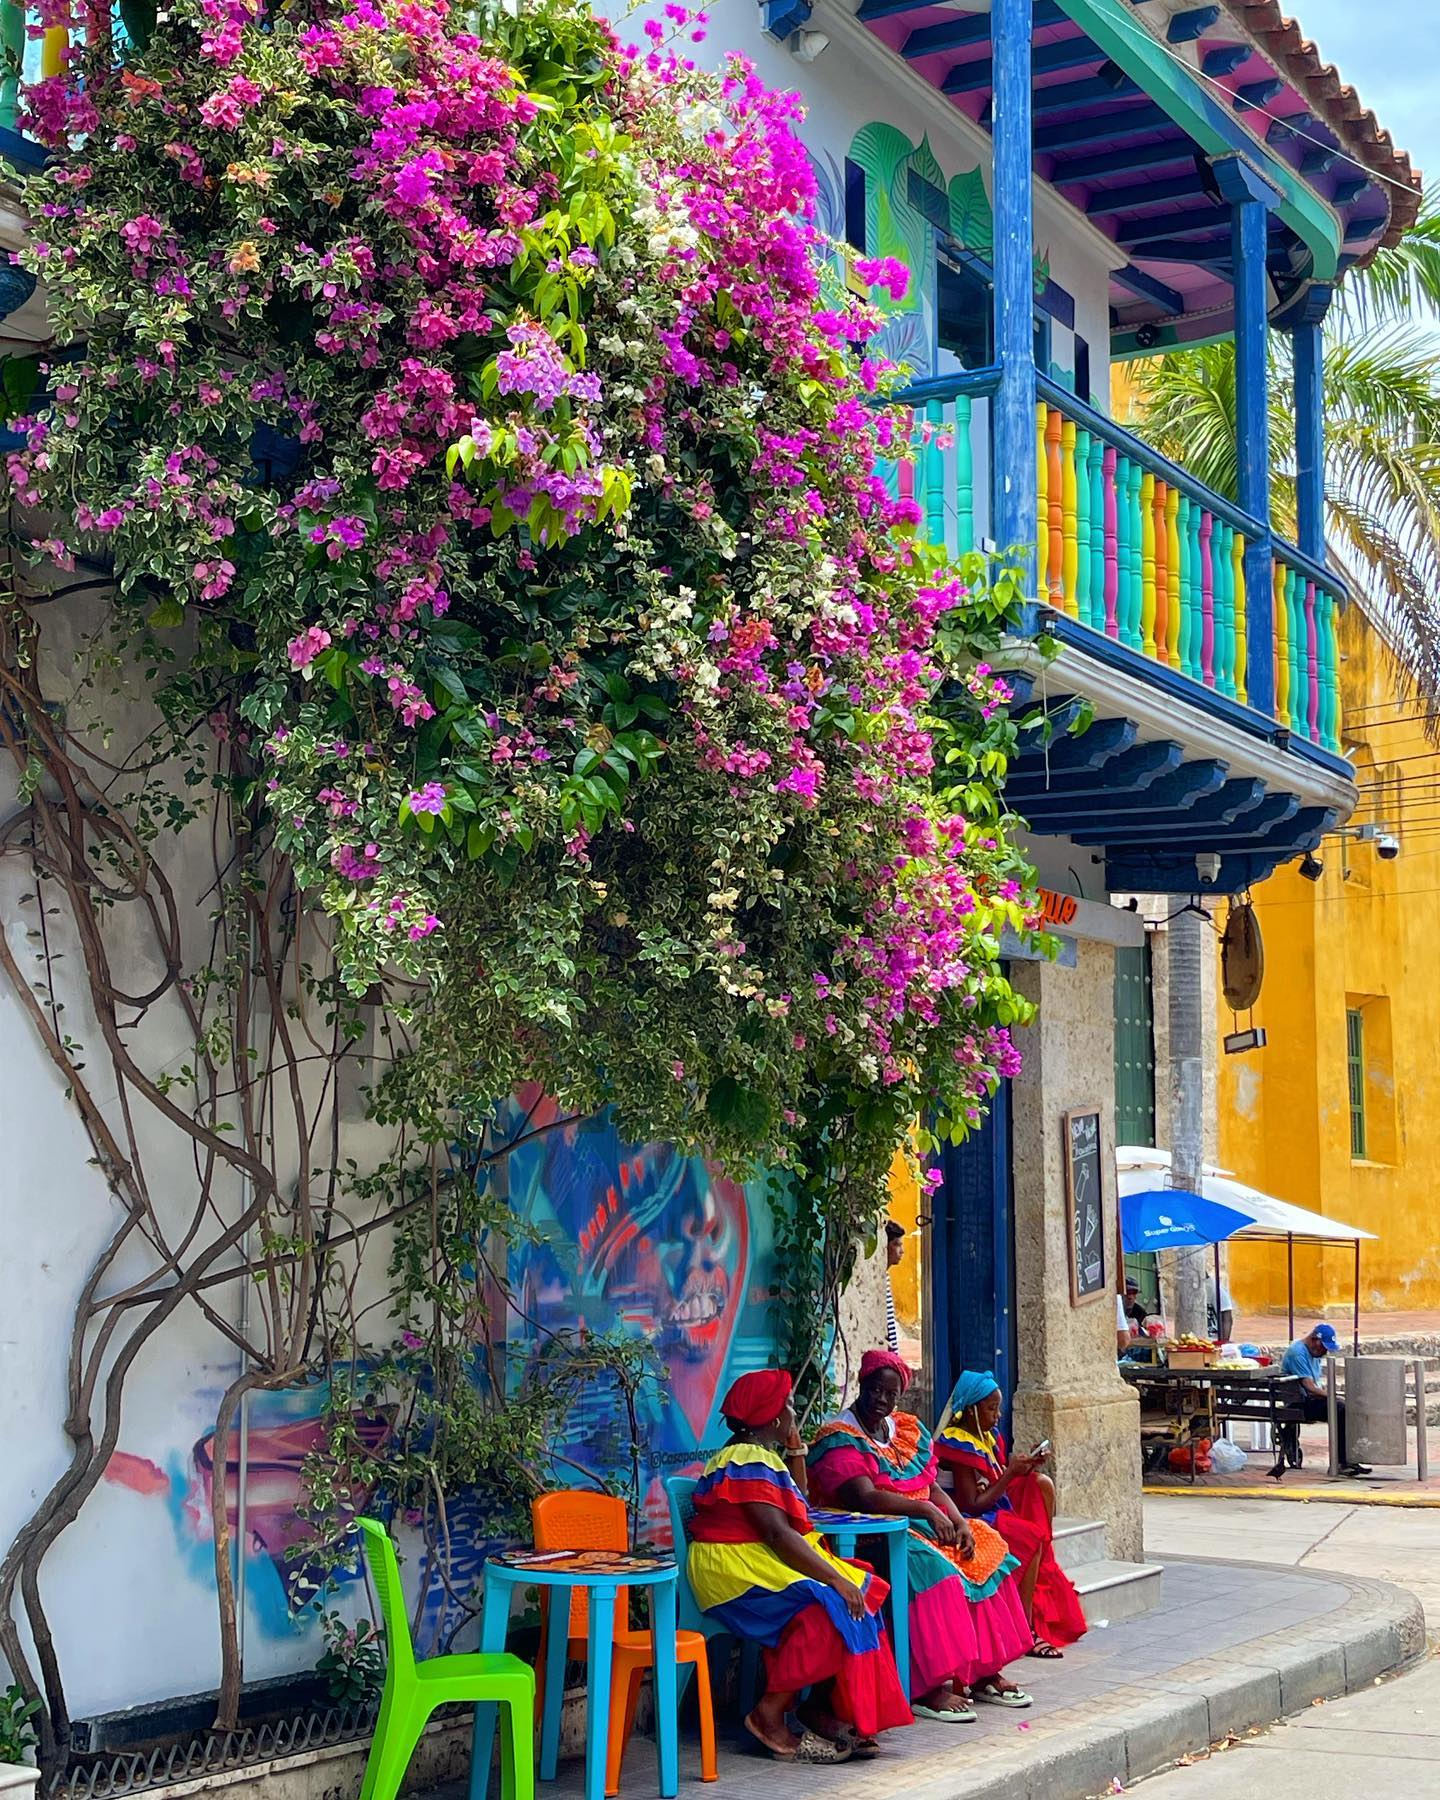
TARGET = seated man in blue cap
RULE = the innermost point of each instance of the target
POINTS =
(1305, 1358)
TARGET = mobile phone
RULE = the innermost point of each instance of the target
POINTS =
(1042, 1448)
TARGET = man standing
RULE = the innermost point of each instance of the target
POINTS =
(1306, 1358)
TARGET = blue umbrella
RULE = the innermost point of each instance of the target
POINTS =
(1172, 1218)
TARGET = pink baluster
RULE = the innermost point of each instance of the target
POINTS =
(905, 471)
(1112, 559)
(1207, 601)
(1312, 665)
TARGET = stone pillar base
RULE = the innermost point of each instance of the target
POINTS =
(1096, 1439)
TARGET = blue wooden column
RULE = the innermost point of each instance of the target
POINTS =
(1252, 199)
(1308, 332)
(1013, 478)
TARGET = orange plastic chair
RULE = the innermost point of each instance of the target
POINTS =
(583, 1520)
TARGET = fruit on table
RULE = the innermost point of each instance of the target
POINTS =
(1190, 1342)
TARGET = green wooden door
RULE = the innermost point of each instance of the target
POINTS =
(1135, 1081)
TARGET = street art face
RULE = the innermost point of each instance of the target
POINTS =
(631, 1237)
(644, 1239)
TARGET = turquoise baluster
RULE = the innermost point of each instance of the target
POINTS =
(934, 466)
(964, 477)
(1224, 579)
(1194, 655)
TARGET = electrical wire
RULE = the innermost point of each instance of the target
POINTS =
(1228, 95)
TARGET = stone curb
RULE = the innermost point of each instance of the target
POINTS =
(1380, 1630)
(1328, 1496)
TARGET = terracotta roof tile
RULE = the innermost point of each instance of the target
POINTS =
(1334, 100)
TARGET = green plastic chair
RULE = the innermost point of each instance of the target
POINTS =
(414, 1689)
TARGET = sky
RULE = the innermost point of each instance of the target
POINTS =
(1389, 51)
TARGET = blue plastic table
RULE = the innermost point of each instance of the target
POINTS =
(846, 1528)
(602, 1575)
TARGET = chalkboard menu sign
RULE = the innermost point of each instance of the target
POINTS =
(1085, 1205)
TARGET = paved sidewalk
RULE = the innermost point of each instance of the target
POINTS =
(1385, 1740)
(1403, 1547)
(1231, 1646)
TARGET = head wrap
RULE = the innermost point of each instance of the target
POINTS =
(758, 1398)
(972, 1387)
(873, 1361)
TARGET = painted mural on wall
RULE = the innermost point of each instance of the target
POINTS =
(626, 1236)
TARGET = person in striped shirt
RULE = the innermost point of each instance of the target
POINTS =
(894, 1256)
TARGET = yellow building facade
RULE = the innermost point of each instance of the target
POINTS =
(1340, 1111)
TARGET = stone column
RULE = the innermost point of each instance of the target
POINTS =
(1068, 1389)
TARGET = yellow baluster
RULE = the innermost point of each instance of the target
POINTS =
(1069, 502)
(52, 50)
(1175, 576)
(1242, 641)
(1147, 564)
(1055, 489)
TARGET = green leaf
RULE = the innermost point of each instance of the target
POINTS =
(167, 615)
(742, 1108)
(19, 379)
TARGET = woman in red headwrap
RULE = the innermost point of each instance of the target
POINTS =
(757, 1565)
(967, 1619)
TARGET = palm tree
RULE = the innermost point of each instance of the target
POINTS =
(1382, 424)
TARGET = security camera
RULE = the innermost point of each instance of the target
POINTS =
(1387, 848)
(805, 46)
(1207, 865)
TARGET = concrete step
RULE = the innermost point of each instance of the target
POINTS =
(1114, 1591)
(1078, 1542)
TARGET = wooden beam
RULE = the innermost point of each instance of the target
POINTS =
(1209, 253)
(1103, 128)
(1318, 162)
(1185, 27)
(972, 77)
(1350, 188)
(1202, 221)
(1123, 162)
(966, 29)
(1360, 229)
(1147, 287)
(1283, 130)
(1225, 60)
(1148, 193)
(1257, 93)
(1063, 97)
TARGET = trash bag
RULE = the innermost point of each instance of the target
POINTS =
(1228, 1458)
(1180, 1458)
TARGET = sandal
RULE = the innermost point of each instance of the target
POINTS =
(989, 1695)
(812, 1748)
(952, 1715)
(1045, 1652)
(863, 1749)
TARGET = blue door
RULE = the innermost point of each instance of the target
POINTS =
(972, 1259)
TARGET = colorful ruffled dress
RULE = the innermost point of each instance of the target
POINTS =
(966, 1618)
(1022, 1520)
(808, 1632)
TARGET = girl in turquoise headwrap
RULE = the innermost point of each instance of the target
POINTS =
(1010, 1493)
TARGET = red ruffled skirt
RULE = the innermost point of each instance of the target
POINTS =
(1059, 1617)
(867, 1692)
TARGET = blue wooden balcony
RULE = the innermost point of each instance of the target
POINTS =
(1142, 574)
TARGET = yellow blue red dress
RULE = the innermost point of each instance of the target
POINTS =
(808, 1632)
